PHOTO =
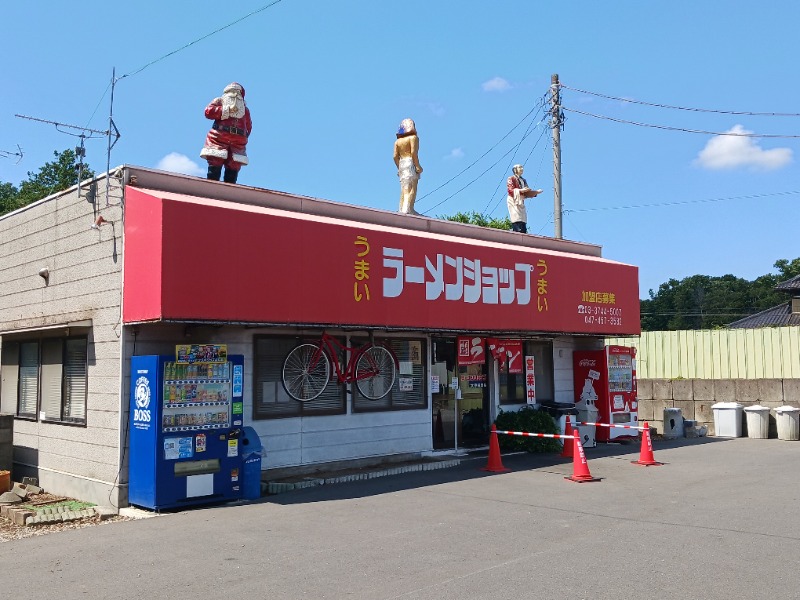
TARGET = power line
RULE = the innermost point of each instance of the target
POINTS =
(704, 110)
(98, 104)
(681, 202)
(538, 106)
(525, 162)
(695, 314)
(667, 127)
(511, 161)
(200, 39)
(492, 166)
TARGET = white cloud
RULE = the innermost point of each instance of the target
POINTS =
(496, 84)
(455, 154)
(736, 151)
(435, 108)
(180, 163)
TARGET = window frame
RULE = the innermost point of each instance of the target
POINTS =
(52, 377)
(303, 409)
(360, 404)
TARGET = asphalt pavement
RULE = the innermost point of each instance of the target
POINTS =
(718, 521)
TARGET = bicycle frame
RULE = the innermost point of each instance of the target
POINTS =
(307, 369)
(333, 347)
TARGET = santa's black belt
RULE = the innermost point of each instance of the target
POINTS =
(234, 130)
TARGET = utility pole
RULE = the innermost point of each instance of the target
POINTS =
(556, 122)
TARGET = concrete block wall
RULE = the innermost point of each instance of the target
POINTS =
(84, 286)
(695, 397)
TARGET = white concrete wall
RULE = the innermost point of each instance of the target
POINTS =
(85, 284)
(300, 441)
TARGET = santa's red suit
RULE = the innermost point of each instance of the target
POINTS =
(226, 141)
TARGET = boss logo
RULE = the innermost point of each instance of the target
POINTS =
(141, 412)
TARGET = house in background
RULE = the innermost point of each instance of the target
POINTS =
(784, 314)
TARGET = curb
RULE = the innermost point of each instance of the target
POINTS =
(277, 487)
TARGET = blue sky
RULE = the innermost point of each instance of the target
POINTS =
(328, 82)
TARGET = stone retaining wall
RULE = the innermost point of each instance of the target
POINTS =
(695, 397)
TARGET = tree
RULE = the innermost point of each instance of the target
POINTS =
(8, 198)
(52, 177)
(703, 302)
(476, 218)
(788, 269)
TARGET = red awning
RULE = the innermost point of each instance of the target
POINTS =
(197, 259)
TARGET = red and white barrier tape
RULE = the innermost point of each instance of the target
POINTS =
(539, 435)
(611, 425)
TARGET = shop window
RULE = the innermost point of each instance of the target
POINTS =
(512, 385)
(270, 400)
(46, 378)
(410, 389)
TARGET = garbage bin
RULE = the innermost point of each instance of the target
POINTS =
(559, 412)
(250, 454)
(788, 422)
(757, 422)
(588, 432)
(673, 423)
(727, 419)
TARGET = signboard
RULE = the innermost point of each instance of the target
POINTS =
(202, 353)
(471, 350)
(508, 353)
(371, 274)
(530, 380)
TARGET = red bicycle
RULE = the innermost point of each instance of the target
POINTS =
(308, 368)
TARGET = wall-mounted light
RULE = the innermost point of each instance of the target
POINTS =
(44, 273)
(98, 221)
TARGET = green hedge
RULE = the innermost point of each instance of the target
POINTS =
(532, 421)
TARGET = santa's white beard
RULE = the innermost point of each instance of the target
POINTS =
(232, 106)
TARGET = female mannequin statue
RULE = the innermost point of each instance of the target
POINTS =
(408, 168)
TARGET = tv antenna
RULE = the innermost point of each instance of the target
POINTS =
(9, 154)
(88, 134)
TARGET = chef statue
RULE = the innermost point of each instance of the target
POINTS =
(227, 138)
(518, 191)
(406, 148)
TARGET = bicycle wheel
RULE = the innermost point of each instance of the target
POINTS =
(376, 372)
(306, 372)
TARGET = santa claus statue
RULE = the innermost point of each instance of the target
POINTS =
(227, 139)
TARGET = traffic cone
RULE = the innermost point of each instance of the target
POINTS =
(580, 469)
(494, 464)
(646, 457)
(567, 452)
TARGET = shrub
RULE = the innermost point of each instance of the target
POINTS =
(532, 421)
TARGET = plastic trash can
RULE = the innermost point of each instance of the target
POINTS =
(788, 422)
(673, 423)
(251, 453)
(727, 419)
(757, 422)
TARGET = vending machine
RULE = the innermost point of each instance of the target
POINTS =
(185, 427)
(606, 379)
